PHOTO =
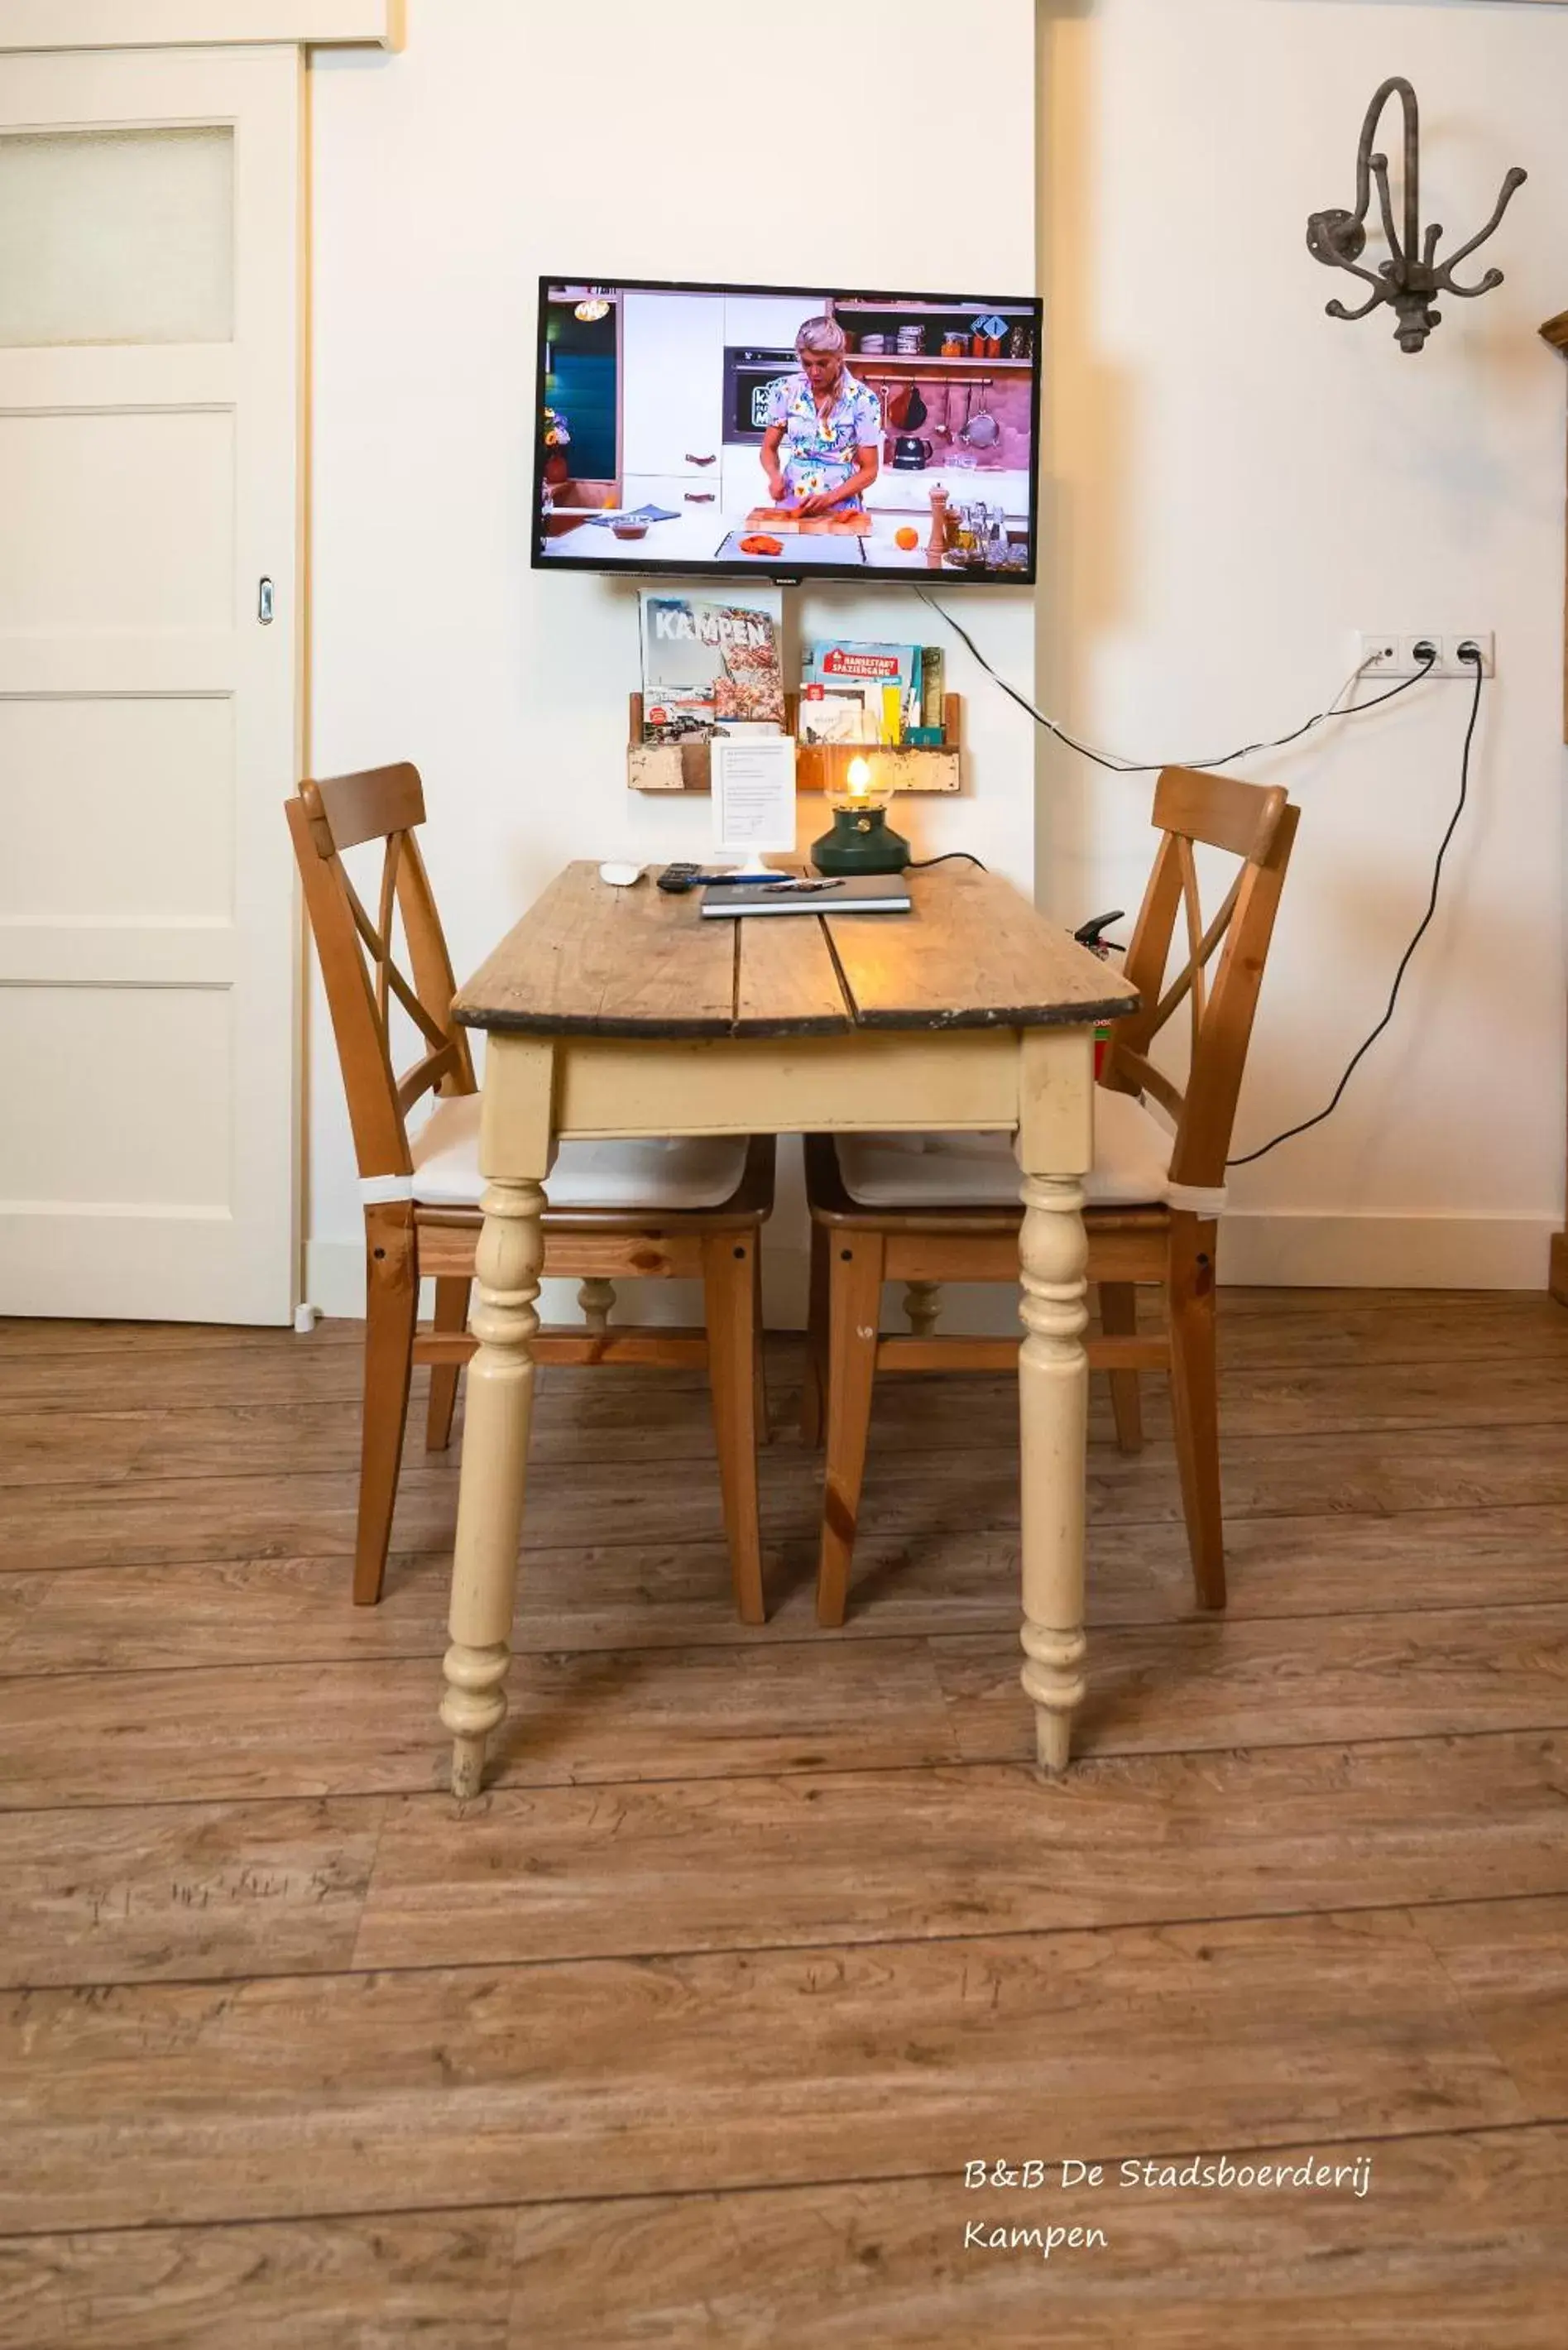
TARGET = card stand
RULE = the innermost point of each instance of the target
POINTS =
(819, 766)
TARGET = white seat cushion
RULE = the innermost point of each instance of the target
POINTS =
(695, 1171)
(1132, 1159)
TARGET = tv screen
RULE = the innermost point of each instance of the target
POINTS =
(791, 431)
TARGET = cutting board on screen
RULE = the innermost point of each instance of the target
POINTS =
(774, 518)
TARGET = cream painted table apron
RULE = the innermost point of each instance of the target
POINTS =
(622, 1011)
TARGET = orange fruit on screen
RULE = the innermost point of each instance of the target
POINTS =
(906, 539)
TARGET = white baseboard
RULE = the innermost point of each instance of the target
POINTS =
(1273, 1250)
(1264, 1250)
(335, 1278)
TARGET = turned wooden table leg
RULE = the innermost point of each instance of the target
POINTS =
(1053, 1402)
(494, 1465)
(1055, 1131)
(597, 1299)
(923, 1306)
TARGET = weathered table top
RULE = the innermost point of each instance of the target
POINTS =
(591, 960)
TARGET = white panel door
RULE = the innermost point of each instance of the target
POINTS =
(150, 286)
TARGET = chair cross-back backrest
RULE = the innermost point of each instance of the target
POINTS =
(1257, 824)
(358, 960)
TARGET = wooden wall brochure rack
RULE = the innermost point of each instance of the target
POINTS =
(819, 766)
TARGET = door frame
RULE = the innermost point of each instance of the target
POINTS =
(198, 24)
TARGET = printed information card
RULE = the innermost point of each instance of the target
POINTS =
(753, 794)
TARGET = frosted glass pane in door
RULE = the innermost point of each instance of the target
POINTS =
(117, 236)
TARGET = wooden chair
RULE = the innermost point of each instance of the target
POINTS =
(928, 1209)
(665, 1209)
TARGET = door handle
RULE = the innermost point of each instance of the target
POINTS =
(265, 603)
(699, 497)
(692, 460)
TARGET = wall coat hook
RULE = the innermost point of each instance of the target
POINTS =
(1412, 274)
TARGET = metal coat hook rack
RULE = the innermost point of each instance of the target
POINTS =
(1412, 274)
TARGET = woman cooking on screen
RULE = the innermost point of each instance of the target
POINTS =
(822, 445)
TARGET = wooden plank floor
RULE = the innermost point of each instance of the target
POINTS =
(684, 2034)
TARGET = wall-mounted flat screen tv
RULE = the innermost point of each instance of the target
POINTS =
(791, 431)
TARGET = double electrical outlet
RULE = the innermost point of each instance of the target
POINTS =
(1384, 655)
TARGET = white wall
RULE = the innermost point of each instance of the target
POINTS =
(1240, 484)
(1236, 485)
(613, 137)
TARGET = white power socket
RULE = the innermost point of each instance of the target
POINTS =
(1485, 643)
(1384, 654)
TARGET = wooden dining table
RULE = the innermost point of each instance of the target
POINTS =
(612, 1012)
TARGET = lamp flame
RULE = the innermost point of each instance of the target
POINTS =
(860, 777)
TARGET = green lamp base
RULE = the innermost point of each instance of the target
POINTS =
(861, 841)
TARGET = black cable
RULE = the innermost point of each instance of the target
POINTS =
(1128, 767)
(919, 863)
(1247, 1157)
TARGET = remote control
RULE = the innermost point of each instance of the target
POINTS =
(676, 879)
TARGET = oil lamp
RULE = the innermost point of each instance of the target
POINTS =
(860, 839)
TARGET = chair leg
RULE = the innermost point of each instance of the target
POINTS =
(1194, 1399)
(759, 1360)
(814, 1390)
(855, 1263)
(730, 1296)
(450, 1314)
(391, 1311)
(1119, 1319)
